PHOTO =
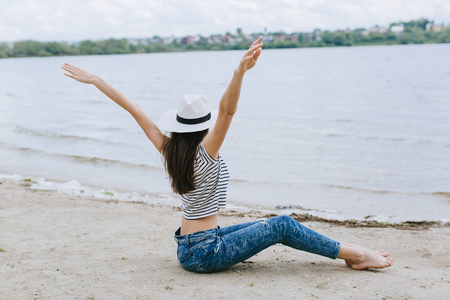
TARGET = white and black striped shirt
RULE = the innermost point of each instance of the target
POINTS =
(210, 193)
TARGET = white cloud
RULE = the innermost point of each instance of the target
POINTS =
(95, 19)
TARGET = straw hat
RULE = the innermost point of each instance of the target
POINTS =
(193, 114)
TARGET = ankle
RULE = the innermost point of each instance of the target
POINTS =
(358, 256)
(353, 254)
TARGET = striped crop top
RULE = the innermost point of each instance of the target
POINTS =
(210, 193)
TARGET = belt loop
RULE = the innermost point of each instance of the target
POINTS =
(188, 239)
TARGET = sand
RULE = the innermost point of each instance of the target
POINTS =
(55, 246)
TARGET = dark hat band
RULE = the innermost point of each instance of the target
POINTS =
(194, 121)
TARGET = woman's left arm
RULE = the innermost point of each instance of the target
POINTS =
(147, 125)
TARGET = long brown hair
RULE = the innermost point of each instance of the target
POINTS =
(179, 156)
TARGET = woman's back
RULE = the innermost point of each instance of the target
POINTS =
(210, 193)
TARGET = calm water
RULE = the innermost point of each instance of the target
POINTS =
(338, 132)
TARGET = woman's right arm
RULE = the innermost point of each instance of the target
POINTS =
(147, 125)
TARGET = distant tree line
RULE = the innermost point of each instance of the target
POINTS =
(413, 32)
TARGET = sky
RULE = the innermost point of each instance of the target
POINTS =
(75, 20)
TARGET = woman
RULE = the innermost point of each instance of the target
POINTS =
(200, 176)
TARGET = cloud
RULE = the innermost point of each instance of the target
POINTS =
(95, 19)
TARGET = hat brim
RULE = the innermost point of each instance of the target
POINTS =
(168, 122)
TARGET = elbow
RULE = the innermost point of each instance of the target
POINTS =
(229, 111)
(134, 108)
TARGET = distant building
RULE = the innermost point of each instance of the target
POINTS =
(379, 29)
(215, 38)
(155, 40)
(266, 39)
(168, 40)
(189, 40)
(279, 37)
(134, 41)
(228, 39)
(316, 35)
(435, 28)
(306, 37)
(292, 37)
(254, 36)
(398, 29)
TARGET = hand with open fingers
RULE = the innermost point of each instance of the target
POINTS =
(78, 74)
(251, 56)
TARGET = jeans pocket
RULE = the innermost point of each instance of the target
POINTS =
(184, 257)
(192, 260)
(208, 245)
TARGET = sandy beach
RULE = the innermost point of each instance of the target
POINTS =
(55, 246)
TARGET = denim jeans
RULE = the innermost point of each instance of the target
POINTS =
(219, 248)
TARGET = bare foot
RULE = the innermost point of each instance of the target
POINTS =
(358, 257)
(370, 259)
(349, 263)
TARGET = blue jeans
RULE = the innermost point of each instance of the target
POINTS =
(219, 248)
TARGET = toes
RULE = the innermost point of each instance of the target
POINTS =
(389, 262)
(383, 253)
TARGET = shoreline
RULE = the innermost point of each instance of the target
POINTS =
(73, 188)
(375, 44)
(65, 246)
(406, 225)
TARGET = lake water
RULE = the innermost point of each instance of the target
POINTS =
(336, 132)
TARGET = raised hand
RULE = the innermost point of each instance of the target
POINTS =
(150, 129)
(251, 56)
(78, 74)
